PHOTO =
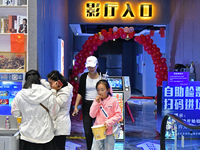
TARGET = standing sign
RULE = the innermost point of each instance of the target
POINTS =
(178, 78)
(184, 102)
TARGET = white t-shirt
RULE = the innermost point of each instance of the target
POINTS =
(91, 91)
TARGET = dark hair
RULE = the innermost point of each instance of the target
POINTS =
(105, 82)
(55, 75)
(25, 20)
(31, 77)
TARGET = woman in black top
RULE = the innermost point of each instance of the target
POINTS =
(87, 92)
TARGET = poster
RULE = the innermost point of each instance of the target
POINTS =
(184, 102)
(12, 62)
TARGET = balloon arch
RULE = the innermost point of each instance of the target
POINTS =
(96, 40)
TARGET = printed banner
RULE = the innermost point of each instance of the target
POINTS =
(184, 102)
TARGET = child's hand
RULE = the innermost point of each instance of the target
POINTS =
(106, 125)
(98, 98)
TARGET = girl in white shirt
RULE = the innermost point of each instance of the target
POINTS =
(36, 128)
(64, 92)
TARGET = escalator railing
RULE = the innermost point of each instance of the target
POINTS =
(177, 119)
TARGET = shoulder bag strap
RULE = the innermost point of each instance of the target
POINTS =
(104, 112)
(44, 107)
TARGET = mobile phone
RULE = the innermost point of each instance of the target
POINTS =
(60, 83)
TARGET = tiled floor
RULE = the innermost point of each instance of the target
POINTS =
(143, 130)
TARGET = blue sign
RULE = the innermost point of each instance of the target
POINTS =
(178, 78)
(149, 146)
(11, 76)
(184, 102)
(8, 91)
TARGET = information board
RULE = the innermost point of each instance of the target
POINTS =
(184, 102)
(178, 78)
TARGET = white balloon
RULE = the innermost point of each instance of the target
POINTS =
(101, 37)
(131, 29)
(115, 29)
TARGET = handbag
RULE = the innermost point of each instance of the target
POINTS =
(116, 126)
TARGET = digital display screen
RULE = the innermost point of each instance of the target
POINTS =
(126, 81)
(115, 83)
(8, 90)
(120, 98)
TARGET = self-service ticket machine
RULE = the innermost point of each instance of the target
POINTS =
(10, 85)
(122, 92)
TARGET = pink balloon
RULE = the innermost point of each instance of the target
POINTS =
(126, 30)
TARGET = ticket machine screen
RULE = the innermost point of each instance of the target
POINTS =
(116, 83)
(8, 90)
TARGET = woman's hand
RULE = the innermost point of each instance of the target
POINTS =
(75, 111)
(98, 98)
